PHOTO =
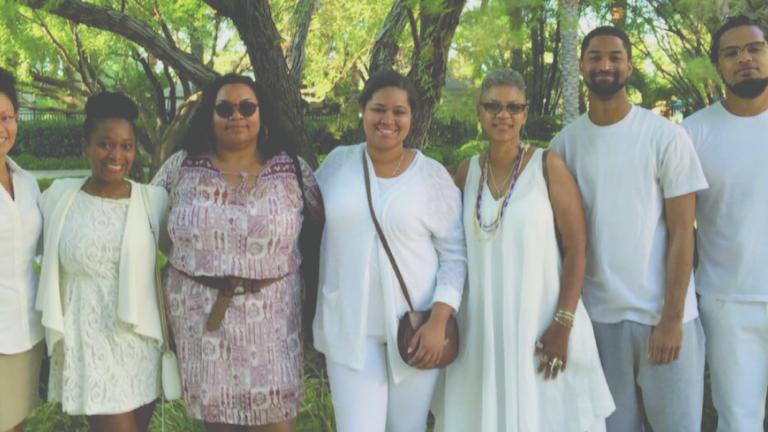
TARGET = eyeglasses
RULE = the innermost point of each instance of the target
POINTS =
(494, 108)
(225, 109)
(753, 49)
(8, 119)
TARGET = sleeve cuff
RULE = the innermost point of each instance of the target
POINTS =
(448, 295)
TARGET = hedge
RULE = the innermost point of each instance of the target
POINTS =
(54, 138)
(62, 138)
(49, 138)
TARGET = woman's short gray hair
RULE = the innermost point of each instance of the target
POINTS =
(503, 77)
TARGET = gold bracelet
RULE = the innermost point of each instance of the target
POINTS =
(563, 322)
(564, 318)
(566, 314)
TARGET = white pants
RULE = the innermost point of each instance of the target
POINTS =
(737, 352)
(367, 400)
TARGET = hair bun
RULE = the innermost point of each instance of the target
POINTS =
(111, 105)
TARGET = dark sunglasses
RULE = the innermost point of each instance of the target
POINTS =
(495, 107)
(225, 109)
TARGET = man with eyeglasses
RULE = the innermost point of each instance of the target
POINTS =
(731, 139)
(638, 174)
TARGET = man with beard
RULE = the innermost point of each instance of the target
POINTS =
(638, 174)
(731, 139)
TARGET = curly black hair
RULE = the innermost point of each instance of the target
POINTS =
(108, 105)
(200, 139)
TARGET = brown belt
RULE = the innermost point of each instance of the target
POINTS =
(226, 290)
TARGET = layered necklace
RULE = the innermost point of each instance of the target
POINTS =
(485, 232)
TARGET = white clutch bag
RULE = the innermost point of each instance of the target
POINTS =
(170, 376)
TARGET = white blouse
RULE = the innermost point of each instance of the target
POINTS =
(20, 228)
(421, 218)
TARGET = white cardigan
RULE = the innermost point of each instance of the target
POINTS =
(421, 218)
(137, 298)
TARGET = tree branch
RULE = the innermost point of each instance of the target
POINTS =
(414, 32)
(58, 45)
(157, 86)
(302, 16)
(385, 48)
(132, 29)
(253, 21)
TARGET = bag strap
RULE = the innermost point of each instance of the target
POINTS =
(381, 235)
(158, 282)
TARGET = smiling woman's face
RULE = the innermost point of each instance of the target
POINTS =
(236, 131)
(387, 118)
(504, 126)
(8, 124)
(111, 149)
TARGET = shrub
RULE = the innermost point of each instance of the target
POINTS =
(543, 128)
(451, 132)
(55, 139)
(49, 138)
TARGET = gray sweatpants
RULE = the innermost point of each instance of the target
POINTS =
(670, 396)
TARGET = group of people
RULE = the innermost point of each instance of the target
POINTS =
(571, 278)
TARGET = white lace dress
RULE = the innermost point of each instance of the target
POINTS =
(101, 366)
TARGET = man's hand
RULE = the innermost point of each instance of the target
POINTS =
(665, 341)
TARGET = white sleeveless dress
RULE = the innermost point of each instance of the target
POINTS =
(514, 284)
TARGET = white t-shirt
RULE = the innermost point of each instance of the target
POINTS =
(376, 320)
(732, 215)
(625, 171)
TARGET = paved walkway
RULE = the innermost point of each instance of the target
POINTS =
(60, 173)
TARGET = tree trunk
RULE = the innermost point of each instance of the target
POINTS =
(173, 133)
(569, 59)
(536, 81)
(301, 19)
(429, 63)
(254, 23)
(385, 48)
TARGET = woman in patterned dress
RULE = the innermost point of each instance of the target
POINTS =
(233, 286)
(97, 289)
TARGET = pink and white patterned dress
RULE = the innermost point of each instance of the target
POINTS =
(249, 371)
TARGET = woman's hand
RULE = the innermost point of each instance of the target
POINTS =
(552, 349)
(427, 344)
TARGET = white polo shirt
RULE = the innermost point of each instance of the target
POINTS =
(625, 171)
(20, 228)
(732, 215)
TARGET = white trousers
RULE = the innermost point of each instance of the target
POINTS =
(737, 352)
(367, 400)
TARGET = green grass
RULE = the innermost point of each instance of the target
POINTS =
(315, 415)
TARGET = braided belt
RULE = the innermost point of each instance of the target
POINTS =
(227, 288)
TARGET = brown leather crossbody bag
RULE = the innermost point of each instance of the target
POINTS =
(411, 321)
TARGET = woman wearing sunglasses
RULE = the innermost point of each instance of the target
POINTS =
(21, 346)
(528, 360)
(233, 286)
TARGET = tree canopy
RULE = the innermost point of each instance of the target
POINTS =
(313, 56)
